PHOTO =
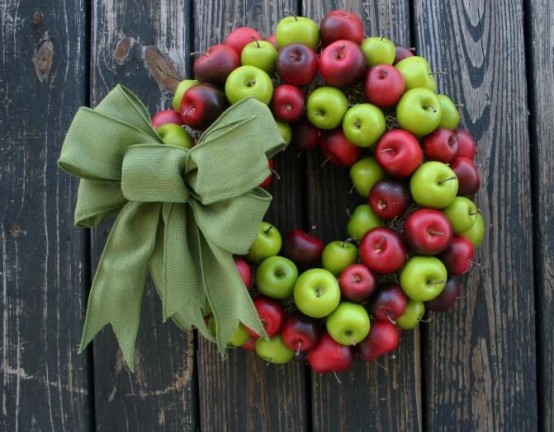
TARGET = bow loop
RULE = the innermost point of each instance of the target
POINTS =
(154, 173)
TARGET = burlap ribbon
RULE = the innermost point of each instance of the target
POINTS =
(181, 213)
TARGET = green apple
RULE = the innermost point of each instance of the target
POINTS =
(297, 29)
(248, 81)
(362, 220)
(364, 124)
(316, 293)
(174, 135)
(326, 107)
(348, 324)
(418, 111)
(273, 350)
(267, 243)
(412, 315)
(239, 337)
(286, 131)
(461, 213)
(182, 87)
(417, 73)
(337, 255)
(364, 174)
(476, 232)
(378, 50)
(261, 54)
(423, 278)
(276, 277)
(450, 117)
(434, 185)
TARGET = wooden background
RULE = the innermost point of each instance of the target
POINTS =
(486, 365)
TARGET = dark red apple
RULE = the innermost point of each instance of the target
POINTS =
(469, 180)
(383, 86)
(383, 338)
(265, 184)
(459, 257)
(300, 333)
(250, 344)
(383, 250)
(388, 303)
(288, 103)
(398, 152)
(165, 117)
(441, 145)
(240, 37)
(271, 313)
(215, 65)
(296, 64)
(403, 52)
(272, 40)
(356, 283)
(466, 144)
(342, 63)
(427, 231)
(337, 149)
(201, 105)
(244, 271)
(305, 135)
(447, 297)
(329, 356)
(302, 248)
(389, 198)
(339, 24)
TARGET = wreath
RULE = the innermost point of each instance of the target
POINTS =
(191, 211)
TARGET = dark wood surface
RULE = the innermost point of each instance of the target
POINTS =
(485, 365)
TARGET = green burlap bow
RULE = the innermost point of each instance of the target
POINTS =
(183, 213)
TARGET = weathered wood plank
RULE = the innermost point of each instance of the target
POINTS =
(541, 65)
(145, 46)
(241, 392)
(382, 395)
(43, 269)
(480, 358)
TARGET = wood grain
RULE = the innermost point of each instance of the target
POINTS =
(45, 384)
(540, 57)
(142, 45)
(479, 359)
(247, 393)
(382, 395)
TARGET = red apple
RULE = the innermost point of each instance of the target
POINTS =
(383, 250)
(271, 39)
(337, 149)
(302, 248)
(447, 297)
(305, 135)
(265, 184)
(244, 271)
(240, 37)
(250, 344)
(215, 65)
(441, 145)
(403, 52)
(388, 303)
(272, 316)
(339, 24)
(296, 64)
(389, 199)
(469, 180)
(459, 257)
(300, 333)
(383, 86)
(342, 63)
(329, 356)
(466, 144)
(383, 338)
(427, 231)
(167, 116)
(356, 283)
(201, 105)
(288, 103)
(398, 152)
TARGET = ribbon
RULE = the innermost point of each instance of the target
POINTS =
(182, 213)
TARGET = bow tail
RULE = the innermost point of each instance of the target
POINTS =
(117, 289)
(229, 299)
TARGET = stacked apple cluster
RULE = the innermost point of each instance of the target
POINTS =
(371, 106)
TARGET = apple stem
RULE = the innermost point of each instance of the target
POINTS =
(198, 53)
(430, 282)
(268, 229)
(300, 153)
(447, 179)
(276, 174)
(350, 192)
(348, 212)
(325, 161)
(349, 240)
(393, 322)
(380, 365)
(472, 213)
(337, 377)
(438, 73)
(291, 13)
(298, 346)
(431, 108)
